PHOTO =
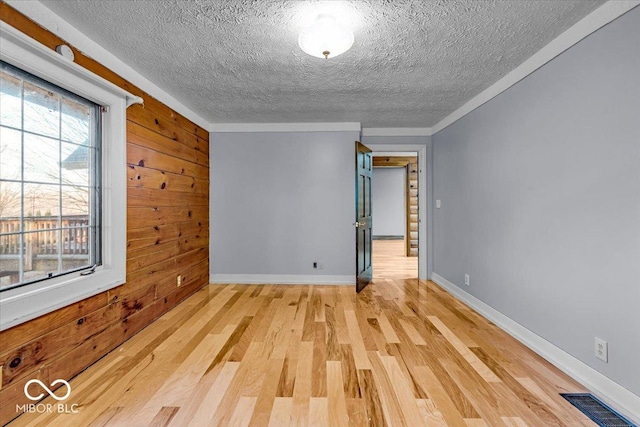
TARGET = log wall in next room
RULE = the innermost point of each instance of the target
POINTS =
(167, 235)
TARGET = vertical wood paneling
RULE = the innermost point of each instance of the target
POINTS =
(167, 235)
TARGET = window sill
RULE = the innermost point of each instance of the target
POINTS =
(19, 306)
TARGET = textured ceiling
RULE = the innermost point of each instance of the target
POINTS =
(412, 63)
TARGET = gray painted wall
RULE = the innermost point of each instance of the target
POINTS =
(388, 199)
(540, 191)
(280, 201)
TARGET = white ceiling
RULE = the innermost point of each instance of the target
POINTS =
(238, 61)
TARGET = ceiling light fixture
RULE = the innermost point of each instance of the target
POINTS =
(325, 38)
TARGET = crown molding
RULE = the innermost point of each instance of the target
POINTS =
(397, 132)
(285, 127)
(600, 17)
(583, 28)
(46, 18)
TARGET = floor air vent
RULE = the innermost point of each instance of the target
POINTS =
(600, 413)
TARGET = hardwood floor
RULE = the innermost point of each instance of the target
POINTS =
(390, 261)
(401, 353)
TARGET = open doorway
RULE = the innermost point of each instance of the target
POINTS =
(395, 215)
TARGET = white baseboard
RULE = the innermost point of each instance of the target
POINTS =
(610, 392)
(283, 279)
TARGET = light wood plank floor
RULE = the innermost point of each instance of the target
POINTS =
(390, 261)
(401, 353)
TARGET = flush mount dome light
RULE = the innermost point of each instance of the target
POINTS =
(325, 38)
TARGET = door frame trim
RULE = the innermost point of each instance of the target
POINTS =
(425, 199)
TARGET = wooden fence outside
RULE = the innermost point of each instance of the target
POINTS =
(48, 235)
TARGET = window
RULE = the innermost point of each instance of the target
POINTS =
(49, 180)
(62, 180)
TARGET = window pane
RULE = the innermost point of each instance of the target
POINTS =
(10, 103)
(75, 164)
(41, 159)
(49, 149)
(73, 262)
(41, 254)
(76, 242)
(9, 260)
(9, 245)
(41, 113)
(10, 153)
(41, 200)
(75, 121)
(9, 201)
(75, 201)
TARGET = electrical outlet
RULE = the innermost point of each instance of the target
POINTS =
(179, 280)
(318, 265)
(438, 204)
(601, 349)
(466, 279)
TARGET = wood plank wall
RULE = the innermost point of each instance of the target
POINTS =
(412, 229)
(411, 187)
(167, 235)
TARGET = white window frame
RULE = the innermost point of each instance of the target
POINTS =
(27, 302)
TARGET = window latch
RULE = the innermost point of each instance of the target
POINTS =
(91, 271)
